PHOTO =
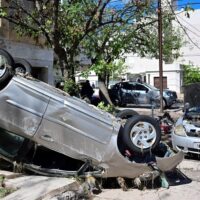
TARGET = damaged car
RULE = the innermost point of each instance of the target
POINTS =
(140, 94)
(186, 134)
(49, 132)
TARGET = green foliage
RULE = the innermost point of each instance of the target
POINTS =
(108, 108)
(187, 10)
(71, 87)
(191, 74)
(148, 39)
(112, 68)
(3, 12)
(5, 191)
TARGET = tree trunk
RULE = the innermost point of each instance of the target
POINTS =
(103, 90)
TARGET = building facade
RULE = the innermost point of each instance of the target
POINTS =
(25, 52)
(148, 69)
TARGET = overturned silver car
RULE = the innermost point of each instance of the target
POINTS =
(50, 132)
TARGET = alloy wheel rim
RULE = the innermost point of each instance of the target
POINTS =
(3, 63)
(143, 135)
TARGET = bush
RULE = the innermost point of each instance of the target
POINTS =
(191, 74)
(71, 87)
(108, 108)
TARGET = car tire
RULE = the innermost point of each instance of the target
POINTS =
(125, 114)
(7, 68)
(22, 66)
(141, 134)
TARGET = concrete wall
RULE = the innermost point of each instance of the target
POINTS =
(41, 59)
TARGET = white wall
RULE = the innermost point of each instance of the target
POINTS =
(191, 50)
(93, 78)
(190, 54)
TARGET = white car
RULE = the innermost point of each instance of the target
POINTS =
(186, 134)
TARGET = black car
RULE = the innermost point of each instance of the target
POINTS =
(143, 94)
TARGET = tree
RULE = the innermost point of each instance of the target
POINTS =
(139, 35)
(103, 29)
(104, 69)
(172, 39)
(191, 74)
(65, 24)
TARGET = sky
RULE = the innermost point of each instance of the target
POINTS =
(193, 3)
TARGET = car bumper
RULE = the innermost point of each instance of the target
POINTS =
(186, 144)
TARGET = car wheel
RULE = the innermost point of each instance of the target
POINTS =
(125, 114)
(141, 134)
(6, 67)
(22, 66)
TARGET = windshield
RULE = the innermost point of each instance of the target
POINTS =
(150, 86)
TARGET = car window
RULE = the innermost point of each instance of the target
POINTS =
(150, 86)
(115, 87)
(14, 142)
(128, 86)
(141, 88)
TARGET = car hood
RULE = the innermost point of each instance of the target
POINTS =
(191, 122)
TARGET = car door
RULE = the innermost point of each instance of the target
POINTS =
(72, 127)
(142, 92)
(128, 93)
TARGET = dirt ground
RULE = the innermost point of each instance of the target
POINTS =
(183, 192)
(184, 185)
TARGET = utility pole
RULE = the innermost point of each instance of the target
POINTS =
(160, 53)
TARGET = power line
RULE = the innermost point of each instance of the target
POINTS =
(191, 31)
(189, 24)
(182, 26)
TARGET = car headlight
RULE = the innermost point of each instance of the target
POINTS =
(180, 130)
